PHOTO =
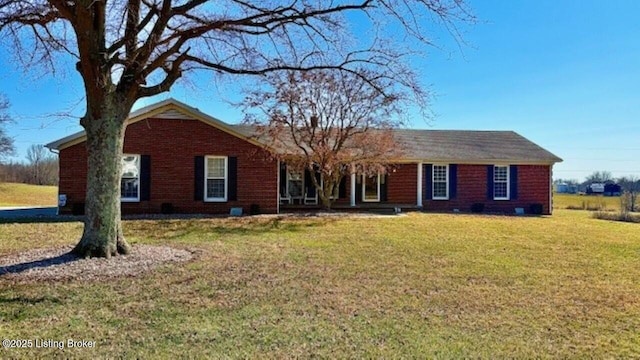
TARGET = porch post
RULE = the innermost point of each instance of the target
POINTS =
(353, 187)
(419, 202)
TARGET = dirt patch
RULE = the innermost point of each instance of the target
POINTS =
(58, 264)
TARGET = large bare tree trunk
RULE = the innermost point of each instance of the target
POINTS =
(325, 196)
(326, 191)
(103, 236)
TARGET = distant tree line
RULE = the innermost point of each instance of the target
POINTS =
(40, 168)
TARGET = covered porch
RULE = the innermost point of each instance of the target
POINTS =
(398, 189)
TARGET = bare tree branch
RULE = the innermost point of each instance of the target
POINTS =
(327, 122)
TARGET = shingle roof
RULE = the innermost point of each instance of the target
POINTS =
(472, 146)
(454, 146)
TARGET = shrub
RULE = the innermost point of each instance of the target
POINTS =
(536, 209)
(628, 201)
(617, 216)
(77, 209)
(597, 205)
(477, 207)
(166, 208)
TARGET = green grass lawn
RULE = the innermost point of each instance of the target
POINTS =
(12, 194)
(421, 285)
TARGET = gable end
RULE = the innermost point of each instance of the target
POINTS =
(168, 109)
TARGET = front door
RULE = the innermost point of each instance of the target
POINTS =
(371, 188)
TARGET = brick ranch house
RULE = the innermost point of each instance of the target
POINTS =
(178, 159)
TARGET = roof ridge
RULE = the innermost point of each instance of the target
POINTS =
(410, 129)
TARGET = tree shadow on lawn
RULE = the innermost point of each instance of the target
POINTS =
(244, 226)
(41, 219)
(23, 300)
(274, 220)
(179, 225)
(40, 263)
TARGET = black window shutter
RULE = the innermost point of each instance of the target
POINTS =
(453, 181)
(145, 177)
(283, 179)
(384, 180)
(513, 182)
(342, 188)
(232, 181)
(358, 188)
(198, 179)
(428, 177)
(489, 182)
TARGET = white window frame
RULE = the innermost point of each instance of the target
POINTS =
(364, 189)
(508, 181)
(137, 198)
(433, 182)
(226, 178)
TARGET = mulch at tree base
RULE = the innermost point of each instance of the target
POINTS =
(58, 264)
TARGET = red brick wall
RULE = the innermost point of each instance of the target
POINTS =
(533, 187)
(402, 181)
(172, 145)
(73, 174)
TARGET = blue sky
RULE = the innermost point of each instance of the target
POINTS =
(565, 74)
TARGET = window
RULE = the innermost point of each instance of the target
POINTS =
(440, 182)
(295, 184)
(215, 178)
(371, 188)
(130, 179)
(501, 182)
